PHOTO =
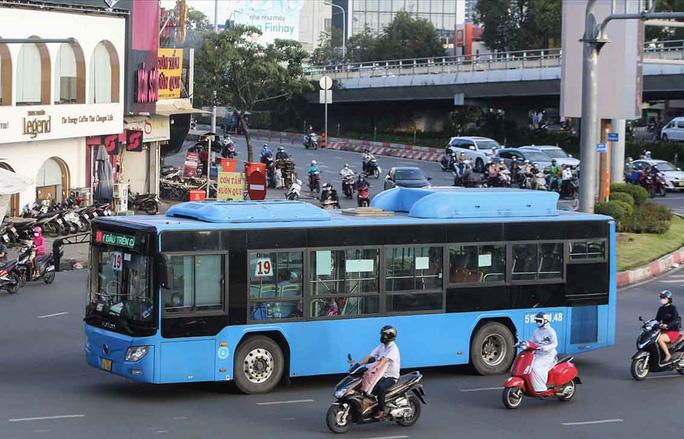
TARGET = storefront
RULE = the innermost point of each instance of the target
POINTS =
(60, 81)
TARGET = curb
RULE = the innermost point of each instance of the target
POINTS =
(651, 270)
(398, 150)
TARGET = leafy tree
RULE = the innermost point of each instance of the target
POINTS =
(198, 27)
(329, 50)
(409, 37)
(362, 46)
(520, 24)
(233, 69)
(666, 33)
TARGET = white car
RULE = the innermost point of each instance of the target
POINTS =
(674, 130)
(674, 176)
(555, 152)
(478, 150)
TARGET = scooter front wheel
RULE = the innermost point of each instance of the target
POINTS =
(512, 397)
(639, 368)
(339, 418)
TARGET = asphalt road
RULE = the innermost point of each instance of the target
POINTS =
(331, 161)
(48, 391)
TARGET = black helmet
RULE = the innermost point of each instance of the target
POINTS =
(280, 148)
(541, 319)
(666, 294)
(388, 334)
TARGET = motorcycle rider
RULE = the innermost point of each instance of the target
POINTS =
(361, 182)
(545, 356)
(462, 170)
(313, 168)
(566, 178)
(367, 157)
(281, 154)
(38, 249)
(670, 323)
(328, 193)
(554, 174)
(386, 354)
(265, 152)
(346, 171)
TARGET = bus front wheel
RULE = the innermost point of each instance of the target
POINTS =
(491, 349)
(259, 365)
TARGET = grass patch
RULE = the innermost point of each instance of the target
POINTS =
(636, 249)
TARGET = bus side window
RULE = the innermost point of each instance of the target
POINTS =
(537, 261)
(197, 284)
(276, 285)
(477, 263)
(413, 278)
(344, 282)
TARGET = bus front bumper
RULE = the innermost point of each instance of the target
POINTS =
(106, 350)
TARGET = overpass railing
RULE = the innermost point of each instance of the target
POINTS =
(525, 59)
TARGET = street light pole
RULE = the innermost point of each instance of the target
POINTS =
(344, 27)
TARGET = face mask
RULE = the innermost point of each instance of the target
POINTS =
(663, 301)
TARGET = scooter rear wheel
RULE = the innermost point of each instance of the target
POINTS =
(49, 277)
(336, 419)
(639, 368)
(568, 391)
(512, 397)
(408, 421)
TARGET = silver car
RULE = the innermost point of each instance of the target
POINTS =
(478, 150)
(555, 152)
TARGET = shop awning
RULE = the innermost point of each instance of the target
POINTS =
(168, 107)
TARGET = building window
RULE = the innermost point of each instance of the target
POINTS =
(197, 285)
(477, 263)
(537, 261)
(104, 74)
(33, 74)
(276, 285)
(69, 75)
(5, 75)
(413, 278)
(344, 282)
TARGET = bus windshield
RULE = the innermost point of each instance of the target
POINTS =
(120, 293)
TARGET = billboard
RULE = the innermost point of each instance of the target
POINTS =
(619, 62)
(170, 65)
(277, 19)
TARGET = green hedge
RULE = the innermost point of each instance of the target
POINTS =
(639, 194)
(622, 196)
(645, 218)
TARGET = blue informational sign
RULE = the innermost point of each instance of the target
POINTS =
(601, 147)
(613, 137)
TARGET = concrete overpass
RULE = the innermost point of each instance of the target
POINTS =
(498, 80)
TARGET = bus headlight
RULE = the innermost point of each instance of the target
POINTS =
(136, 353)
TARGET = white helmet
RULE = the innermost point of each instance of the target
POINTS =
(313, 162)
(541, 319)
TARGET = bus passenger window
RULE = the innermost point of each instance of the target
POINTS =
(524, 261)
(276, 285)
(477, 263)
(537, 261)
(197, 284)
(413, 278)
(587, 250)
(344, 282)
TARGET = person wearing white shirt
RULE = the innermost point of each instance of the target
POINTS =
(387, 352)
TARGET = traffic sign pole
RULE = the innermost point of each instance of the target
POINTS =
(326, 84)
(604, 160)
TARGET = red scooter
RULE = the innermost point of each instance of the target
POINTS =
(363, 198)
(561, 382)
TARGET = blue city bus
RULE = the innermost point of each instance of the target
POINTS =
(258, 292)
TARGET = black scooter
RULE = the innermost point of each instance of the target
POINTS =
(45, 265)
(648, 356)
(403, 401)
(149, 203)
(9, 280)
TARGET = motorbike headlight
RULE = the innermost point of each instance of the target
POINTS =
(136, 353)
(340, 393)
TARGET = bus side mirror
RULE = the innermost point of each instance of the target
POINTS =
(165, 270)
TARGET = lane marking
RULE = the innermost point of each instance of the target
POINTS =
(480, 389)
(287, 419)
(44, 418)
(672, 281)
(386, 437)
(161, 431)
(179, 418)
(53, 315)
(602, 421)
(294, 401)
(41, 431)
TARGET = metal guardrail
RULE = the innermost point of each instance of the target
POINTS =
(672, 50)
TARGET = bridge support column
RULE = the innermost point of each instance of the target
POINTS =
(617, 152)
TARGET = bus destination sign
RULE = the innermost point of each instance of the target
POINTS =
(109, 238)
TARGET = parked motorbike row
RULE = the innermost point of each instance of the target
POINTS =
(173, 186)
(16, 272)
(55, 220)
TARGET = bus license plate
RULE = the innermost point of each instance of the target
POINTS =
(107, 364)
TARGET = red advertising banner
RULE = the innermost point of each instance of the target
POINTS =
(134, 140)
(190, 164)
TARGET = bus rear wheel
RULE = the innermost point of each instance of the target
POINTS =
(259, 365)
(491, 349)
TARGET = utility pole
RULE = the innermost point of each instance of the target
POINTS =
(209, 140)
(594, 39)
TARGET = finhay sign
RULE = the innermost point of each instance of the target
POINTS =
(277, 19)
